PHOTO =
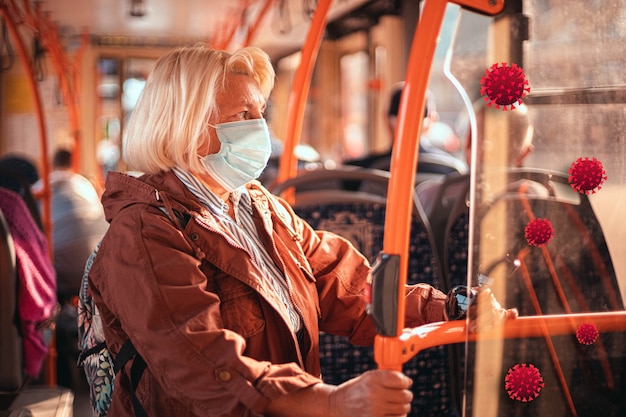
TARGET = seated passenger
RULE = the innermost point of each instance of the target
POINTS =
(441, 199)
(431, 159)
(77, 225)
(221, 288)
(18, 174)
(382, 160)
(36, 295)
(77, 222)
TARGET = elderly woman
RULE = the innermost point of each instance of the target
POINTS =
(221, 288)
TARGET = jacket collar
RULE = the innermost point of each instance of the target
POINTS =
(123, 190)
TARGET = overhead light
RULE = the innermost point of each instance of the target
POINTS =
(137, 8)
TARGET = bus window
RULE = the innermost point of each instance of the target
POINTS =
(121, 81)
(354, 77)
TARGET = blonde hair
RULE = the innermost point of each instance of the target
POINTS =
(169, 122)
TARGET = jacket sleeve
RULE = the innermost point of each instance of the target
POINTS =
(341, 272)
(149, 287)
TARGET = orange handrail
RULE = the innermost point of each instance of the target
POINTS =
(287, 167)
(256, 25)
(10, 13)
(417, 339)
(68, 74)
(405, 153)
(50, 363)
(237, 20)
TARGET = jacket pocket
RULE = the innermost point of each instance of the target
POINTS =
(241, 309)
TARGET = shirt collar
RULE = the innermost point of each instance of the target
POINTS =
(208, 198)
(241, 198)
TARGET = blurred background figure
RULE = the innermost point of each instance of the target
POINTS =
(438, 161)
(18, 174)
(33, 270)
(78, 224)
(514, 127)
(433, 162)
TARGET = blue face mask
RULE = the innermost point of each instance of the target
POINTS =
(246, 148)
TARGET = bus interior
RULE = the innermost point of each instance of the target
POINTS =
(534, 214)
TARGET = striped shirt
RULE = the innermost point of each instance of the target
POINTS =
(244, 231)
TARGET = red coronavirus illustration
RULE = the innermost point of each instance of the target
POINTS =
(523, 382)
(538, 232)
(587, 175)
(503, 87)
(587, 334)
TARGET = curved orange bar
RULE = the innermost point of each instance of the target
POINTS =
(41, 125)
(256, 25)
(287, 167)
(401, 349)
(488, 7)
(405, 150)
(68, 74)
(50, 362)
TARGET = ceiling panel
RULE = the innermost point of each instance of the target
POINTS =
(202, 19)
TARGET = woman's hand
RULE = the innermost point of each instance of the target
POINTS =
(485, 313)
(376, 393)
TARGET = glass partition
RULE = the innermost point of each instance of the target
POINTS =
(542, 210)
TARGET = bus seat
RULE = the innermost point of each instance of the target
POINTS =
(359, 216)
(577, 260)
(430, 165)
(440, 200)
(445, 204)
(573, 273)
(335, 179)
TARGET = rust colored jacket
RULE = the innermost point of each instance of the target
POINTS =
(169, 277)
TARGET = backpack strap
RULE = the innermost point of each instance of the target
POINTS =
(126, 353)
(88, 352)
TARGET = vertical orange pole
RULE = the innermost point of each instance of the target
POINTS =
(41, 125)
(404, 158)
(388, 349)
(50, 364)
(254, 27)
(299, 91)
(68, 74)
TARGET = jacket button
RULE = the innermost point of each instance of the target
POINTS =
(194, 236)
(224, 376)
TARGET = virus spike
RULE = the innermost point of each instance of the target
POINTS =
(538, 232)
(503, 86)
(587, 175)
(587, 334)
(523, 382)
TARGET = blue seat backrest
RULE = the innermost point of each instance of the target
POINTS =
(572, 273)
(362, 222)
(577, 261)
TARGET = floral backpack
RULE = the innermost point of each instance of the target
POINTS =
(99, 365)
